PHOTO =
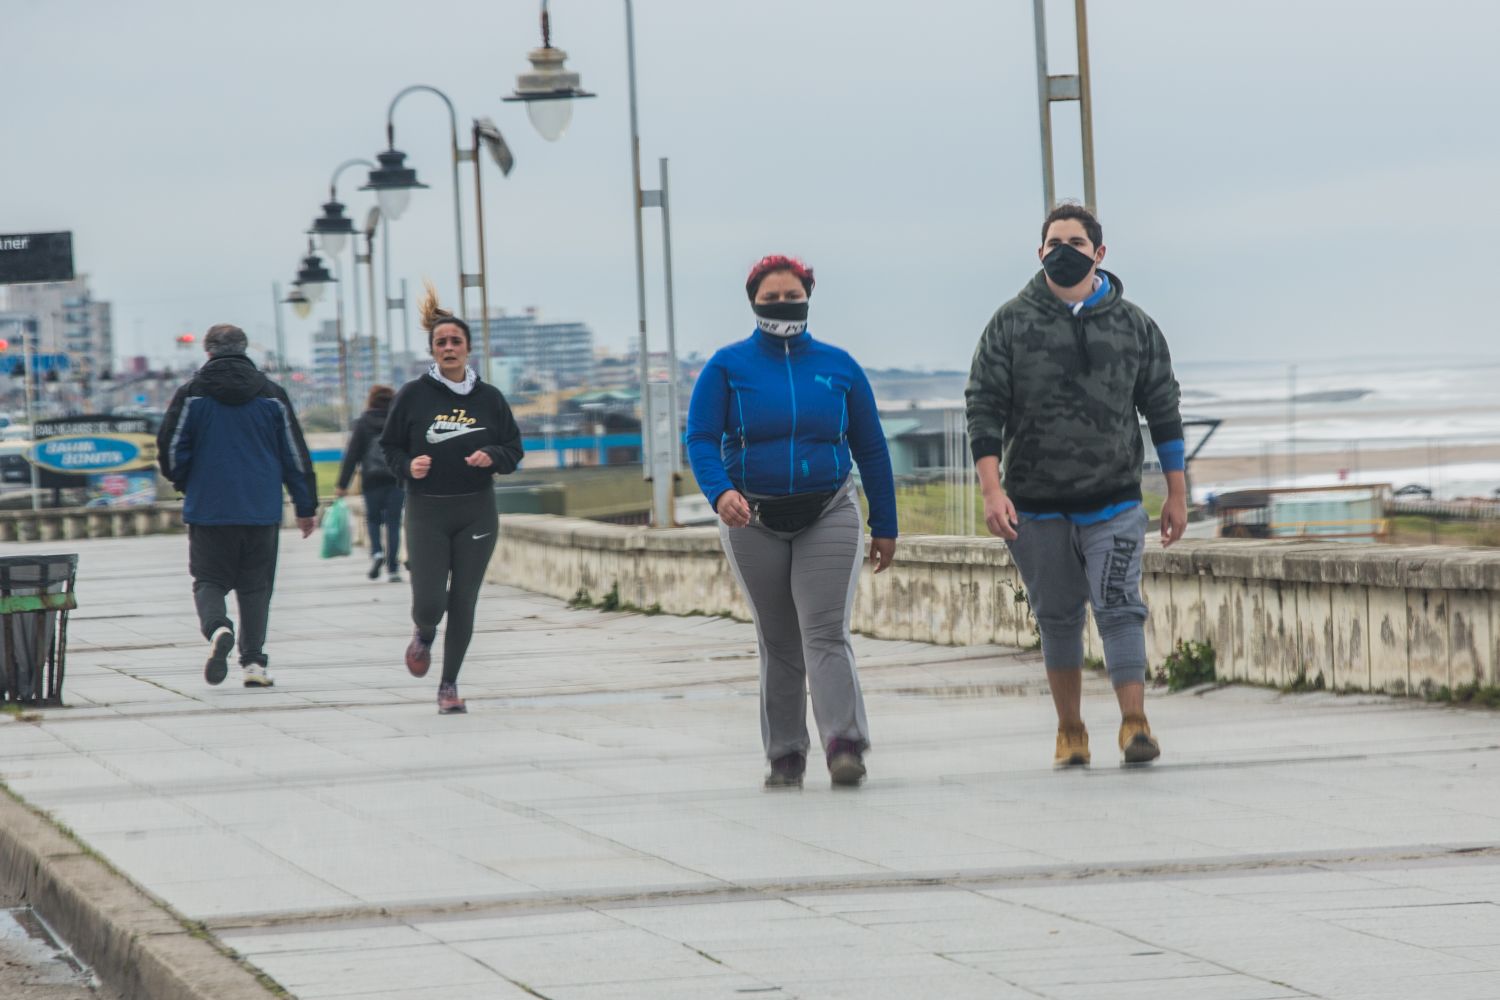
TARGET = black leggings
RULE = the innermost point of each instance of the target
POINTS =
(449, 537)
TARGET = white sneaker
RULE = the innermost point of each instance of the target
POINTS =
(394, 578)
(256, 676)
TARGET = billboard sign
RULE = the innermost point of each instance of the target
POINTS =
(34, 257)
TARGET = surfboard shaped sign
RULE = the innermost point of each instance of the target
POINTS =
(83, 454)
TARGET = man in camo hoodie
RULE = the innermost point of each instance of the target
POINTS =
(1059, 376)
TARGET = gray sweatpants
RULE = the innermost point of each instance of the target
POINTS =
(801, 591)
(1067, 567)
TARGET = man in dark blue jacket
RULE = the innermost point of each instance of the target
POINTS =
(229, 442)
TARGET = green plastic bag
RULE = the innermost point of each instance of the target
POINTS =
(337, 540)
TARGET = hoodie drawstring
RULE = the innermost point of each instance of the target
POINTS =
(1082, 343)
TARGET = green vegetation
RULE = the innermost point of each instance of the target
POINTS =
(328, 477)
(611, 601)
(1415, 529)
(925, 509)
(1188, 665)
(1301, 683)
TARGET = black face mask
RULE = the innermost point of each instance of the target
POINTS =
(1067, 266)
(781, 319)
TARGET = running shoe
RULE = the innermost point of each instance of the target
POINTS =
(1072, 747)
(217, 667)
(256, 676)
(846, 764)
(418, 654)
(786, 772)
(1136, 742)
(376, 562)
(449, 703)
(394, 577)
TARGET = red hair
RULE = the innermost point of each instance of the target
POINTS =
(778, 262)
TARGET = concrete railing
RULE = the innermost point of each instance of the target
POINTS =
(1364, 617)
(89, 522)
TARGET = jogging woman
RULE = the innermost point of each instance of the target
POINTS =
(382, 493)
(773, 423)
(447, 437)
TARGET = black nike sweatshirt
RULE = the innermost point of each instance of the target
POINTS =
(428, 418)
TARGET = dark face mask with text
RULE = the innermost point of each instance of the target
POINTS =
(1067, 266)
(781, 319)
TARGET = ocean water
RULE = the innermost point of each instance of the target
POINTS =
(1359, 407)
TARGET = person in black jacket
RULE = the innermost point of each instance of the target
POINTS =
(447, 436)
(229, 442)
(382, 493)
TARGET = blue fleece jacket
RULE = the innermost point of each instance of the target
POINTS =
(773, 417)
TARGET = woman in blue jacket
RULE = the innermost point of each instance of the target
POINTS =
(771, 430)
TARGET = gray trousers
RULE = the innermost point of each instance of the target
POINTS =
(1068, 567)
(801, 591)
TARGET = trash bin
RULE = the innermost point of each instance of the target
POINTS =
(36, 594)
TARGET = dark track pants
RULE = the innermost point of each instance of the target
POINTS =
(383, 520)
(449, 541)
(241, 558)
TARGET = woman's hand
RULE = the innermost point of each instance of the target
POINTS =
(420, 466)
(882, 552)
(480, 460)
(733, 509)
(340, 492)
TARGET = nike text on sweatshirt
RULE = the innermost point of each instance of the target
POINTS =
(428, 418)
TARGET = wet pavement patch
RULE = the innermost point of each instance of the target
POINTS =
(31, 954)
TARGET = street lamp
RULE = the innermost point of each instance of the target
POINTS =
(548, 90)
(531, 87)
(333, 228)
(313, 276)
(298, 300)
(393, 183)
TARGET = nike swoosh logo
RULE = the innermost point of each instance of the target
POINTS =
(438, 437)
(485, 535)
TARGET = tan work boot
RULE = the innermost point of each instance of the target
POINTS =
(1072, 746)
(1136, 741)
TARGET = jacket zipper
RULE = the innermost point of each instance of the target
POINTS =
(791, 447)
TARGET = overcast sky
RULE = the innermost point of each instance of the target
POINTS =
(1277, 180)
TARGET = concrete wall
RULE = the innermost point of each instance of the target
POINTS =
(1365, 617)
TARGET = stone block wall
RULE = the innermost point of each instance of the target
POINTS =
(1364, 617)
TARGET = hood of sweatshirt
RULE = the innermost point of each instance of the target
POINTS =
(232, 379)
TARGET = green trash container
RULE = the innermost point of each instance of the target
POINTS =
(36, 594)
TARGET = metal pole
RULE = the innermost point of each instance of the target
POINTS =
(385, 266)
(1085, 104)
(1291, 424)
(1044, 104)
(359, 321)
(484, 287)
(28, 360)
(405, 322)
(666, 251)
(280, 335)
(659, 518)
(374, 322)
(338, 300)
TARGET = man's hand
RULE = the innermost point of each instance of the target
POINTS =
(733, 509)
(480, 460)
(882, 551)
(1000, 515)
(306, 524)
(420, 466)
(1173, 518)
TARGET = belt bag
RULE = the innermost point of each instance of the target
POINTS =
(792, 513)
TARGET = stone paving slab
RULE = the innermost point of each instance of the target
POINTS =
(595, 827)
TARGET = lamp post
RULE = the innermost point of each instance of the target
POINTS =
(334, 230)
(312, 278)
(547, 87)
(393, 183)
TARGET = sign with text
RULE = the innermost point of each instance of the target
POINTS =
(79, 454)
(34, 257)
(140, 431)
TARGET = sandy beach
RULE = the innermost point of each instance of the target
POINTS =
(1362, 465)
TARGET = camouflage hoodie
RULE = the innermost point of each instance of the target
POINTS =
(1057, 396)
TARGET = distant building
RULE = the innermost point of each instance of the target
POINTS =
(560, 354)
(68, 320)
(364, 370)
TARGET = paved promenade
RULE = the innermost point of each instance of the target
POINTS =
(595, 827)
